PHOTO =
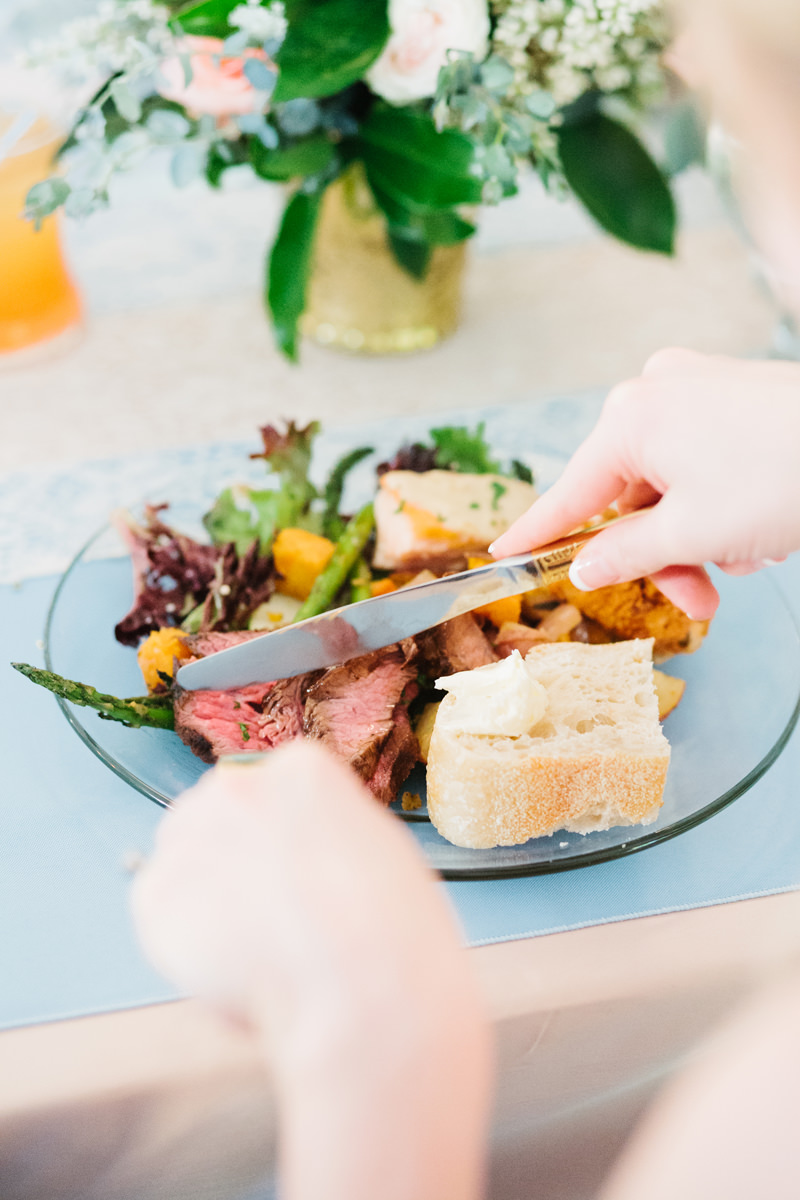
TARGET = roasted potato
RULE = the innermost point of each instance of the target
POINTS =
(669, 691)
(424, 727)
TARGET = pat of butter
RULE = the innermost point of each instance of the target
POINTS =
(503, 699)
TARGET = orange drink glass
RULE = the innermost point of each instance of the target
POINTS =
(38, 300)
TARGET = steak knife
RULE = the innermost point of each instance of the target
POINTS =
(356, 629)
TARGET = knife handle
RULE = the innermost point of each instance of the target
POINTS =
(553, 560)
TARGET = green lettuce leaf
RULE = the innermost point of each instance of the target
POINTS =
(461, 449)
(243, 515)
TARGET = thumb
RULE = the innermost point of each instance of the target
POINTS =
(640, 546)
(629, 549)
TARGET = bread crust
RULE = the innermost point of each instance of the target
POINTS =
(480, 798)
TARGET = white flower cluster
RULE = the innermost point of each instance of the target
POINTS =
(128, 36)
(261, 24)
(567, 46)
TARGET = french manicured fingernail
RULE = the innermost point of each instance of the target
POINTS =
(590, 571)
(773, 562)
(491, 549)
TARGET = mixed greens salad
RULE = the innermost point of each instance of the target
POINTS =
(290, 537)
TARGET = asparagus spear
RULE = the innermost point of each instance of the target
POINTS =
(332, 523)
(360, 582)
(344, 558)
(135, 711)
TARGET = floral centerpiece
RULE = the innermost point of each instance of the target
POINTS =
(430, 107)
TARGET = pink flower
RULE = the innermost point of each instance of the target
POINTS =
(218, 87)
(422, 33)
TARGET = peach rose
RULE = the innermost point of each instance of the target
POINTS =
(422, 33)
(218, 87)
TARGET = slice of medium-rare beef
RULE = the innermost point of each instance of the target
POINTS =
(281, 718)
(399, 756)
(212, 723)
(351, 708)
(202, 644)
(457, 645)
(242, 720)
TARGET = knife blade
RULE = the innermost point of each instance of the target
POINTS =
(356, 629)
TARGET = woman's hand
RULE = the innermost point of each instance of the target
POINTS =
(726, 1125)
(714, 443)
(281, 892)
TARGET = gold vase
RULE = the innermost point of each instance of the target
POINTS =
(360, 299)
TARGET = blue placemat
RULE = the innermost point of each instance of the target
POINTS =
(68, 828)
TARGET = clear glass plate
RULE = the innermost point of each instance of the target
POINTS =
(741, 703)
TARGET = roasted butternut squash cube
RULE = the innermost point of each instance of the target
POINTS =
(382, 587)
(299, 557)
(499, 611)
(157, 653)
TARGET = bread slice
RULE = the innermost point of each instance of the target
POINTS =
(596, 759)
(433, 518)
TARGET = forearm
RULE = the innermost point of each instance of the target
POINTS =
(390, 1101)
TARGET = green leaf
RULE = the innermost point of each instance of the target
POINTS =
(242, 515)
(258, 74)
(498, 163)
(541, 105)
(684, 138)
(328, 45)
(71, 140)
(438, 227)
(287, 452)
(221, 155)
(187, 163)
(44, 198)
(403, 150)
(412, 254)
(612, 174)
(309, 157)
(116, 124)
(497, 74)
(289, 268)
(127, 103)
(81, 202)
(208, 18)
(520, 470)
(165, 125)
(462, 450)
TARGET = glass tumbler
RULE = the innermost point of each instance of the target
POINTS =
(38, 300)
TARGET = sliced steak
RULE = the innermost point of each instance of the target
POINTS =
(399, 756)
(281, 719)
(213, 723)
(202, 644)
(458, 645)
(351, 708)
(358, 709)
